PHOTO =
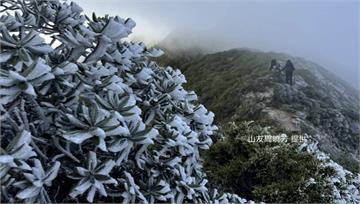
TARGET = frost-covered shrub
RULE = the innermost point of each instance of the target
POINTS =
(344, 185)
(86, 116)
(277, 172)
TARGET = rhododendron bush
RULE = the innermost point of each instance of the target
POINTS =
(86, 116)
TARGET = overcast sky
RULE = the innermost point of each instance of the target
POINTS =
(326, 32)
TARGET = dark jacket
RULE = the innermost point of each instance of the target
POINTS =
(289, 67)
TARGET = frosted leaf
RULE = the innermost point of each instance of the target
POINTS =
(9, 98)
(92, 160)
(123, 152)
(34, 43)
(191, 96)
(144, 75)
(58, 72)
(52, 173)
(24, 138)
(16, 76)
(75, 7)
(115, 30)
(9, 23)
(179, 94)
(75, 121)
(130, 24)
(30, 19)
(26, 81)
(4, 159)
(154, 52)
(5, 56)
(103, 44)
(81, 188)
(126, 54)
(25, 151)
(118, 131)
(7, 81)
(106, 167)
(70, 68)
(30, 177)
(82, 171)
(99, 174)
(19, 149)
(115, 84)
(91, 194)
(119, 145)
(73, 40)
(77, 137)
(38, 170)
(38, 70)
(100, 187)
(90, 122)
(102, 144)
(99, 132)
(149, 137)
(33, 188)
(40, 49)
(28, 192)
(87, 32)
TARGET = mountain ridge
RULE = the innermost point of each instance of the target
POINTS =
(237, 85)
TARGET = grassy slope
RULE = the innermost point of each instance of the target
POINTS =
(221, 79)
(216, 78)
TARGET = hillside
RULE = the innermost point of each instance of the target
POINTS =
(236, 85)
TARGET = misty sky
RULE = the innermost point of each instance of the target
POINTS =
(326, 32)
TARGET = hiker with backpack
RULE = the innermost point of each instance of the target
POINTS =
(289, 70)
(274, 65)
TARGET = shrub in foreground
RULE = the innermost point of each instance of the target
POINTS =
(87, 117)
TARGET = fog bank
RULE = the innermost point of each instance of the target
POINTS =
(325, 32)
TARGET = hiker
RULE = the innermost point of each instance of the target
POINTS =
(289, 69)
(274, 65)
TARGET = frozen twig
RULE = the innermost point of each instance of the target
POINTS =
(67, 153)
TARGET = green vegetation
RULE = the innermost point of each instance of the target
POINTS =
(217, 78)
(348, 162)
(265, 171)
